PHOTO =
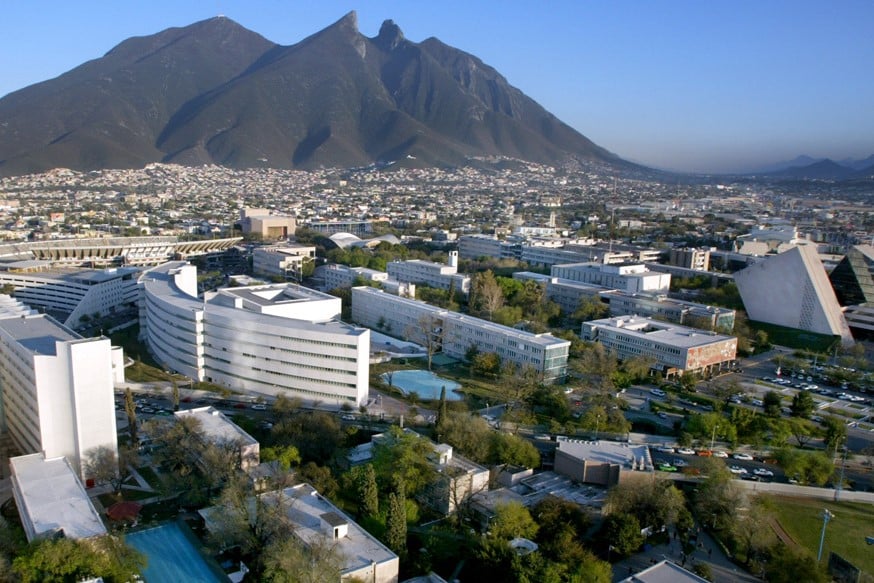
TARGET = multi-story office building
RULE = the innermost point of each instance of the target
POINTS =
(675, 349)
(407, 319)
(696, 259)
(478, 246)
(853, 277)
(430, 273)
(285, 261)
(57, 388)
(73, 296)
(265, 339)
(629, 278)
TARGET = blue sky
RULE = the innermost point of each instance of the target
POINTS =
(706, 86)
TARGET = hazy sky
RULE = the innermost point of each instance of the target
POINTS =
(688, 85)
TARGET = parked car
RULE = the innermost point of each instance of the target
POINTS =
(763, 472)
(743, 456)
(737, 470)
(666, 467)
(719, 453)
(680, 463)
(657, 392)
(686, 451)
(259, 407)
(665, 449)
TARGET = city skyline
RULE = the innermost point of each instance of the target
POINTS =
(701, 88)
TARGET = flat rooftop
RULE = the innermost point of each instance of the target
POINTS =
(664, 572)
(658, 331)
(271, 294)
(216, 425)
(38, 332)
(606, 452)
(53, 497)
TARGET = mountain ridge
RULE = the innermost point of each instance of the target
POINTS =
(216, 92)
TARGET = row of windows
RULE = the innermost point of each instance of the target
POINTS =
(223, 372)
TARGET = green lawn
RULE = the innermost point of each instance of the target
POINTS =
(845, 534)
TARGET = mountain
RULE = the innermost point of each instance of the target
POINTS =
(858, 164)
(797, 162)
(822, 170)
(214, 92)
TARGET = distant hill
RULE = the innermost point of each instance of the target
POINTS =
(822, 170)
(215, 92)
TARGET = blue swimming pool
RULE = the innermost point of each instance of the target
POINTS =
(425, 384)
(172, 556)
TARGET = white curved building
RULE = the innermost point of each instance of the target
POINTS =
(266, 339)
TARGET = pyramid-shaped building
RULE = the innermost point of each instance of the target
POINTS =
(793, 290)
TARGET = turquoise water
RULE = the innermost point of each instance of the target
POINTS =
(426, 384)
(172, 557)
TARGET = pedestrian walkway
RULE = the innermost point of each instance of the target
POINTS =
(706, 551)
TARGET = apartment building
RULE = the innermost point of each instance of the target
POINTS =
(403, 317)
(57, 388)
(72, 296)
(265, 339)
(675, 349)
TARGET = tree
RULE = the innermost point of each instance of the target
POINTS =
(105, 467)
(621, 531)
(174, 395)
(396, 520)
(512, 520)
(367, 490)
(289, 560)
(790, 565)
(130, 408)
(506, 449)
(442, 413)
(428, 333)
(64, 559)
(319, 477)
(486, 295)
(835, 433)
(487, 364)
(283, 406)
(802, 405)
(591, 308)
(316, 434)
(403, 455)
(772, 403)
(654, 502)
(285, 455)
(801, 429)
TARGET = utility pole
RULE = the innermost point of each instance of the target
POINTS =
(826, 516)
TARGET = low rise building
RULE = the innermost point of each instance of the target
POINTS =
(599, 462)
(51, 499)
(317, 522)
(225, 433)
(264, 223)
(674, 349)
(342, 276)
(690, 258)
(455, 334)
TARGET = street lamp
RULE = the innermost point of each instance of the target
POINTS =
(826, 516)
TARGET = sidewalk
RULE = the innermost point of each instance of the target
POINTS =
(708, 551)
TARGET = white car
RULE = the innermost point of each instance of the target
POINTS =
(665, 449)
(719, 453)
(657, 392)
(259, 407)
(686, 451)
(737, 470)
(763, 472)
(743, 456)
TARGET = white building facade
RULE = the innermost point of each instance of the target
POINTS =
(430, 273)
(266, 339)
(629, 278)
(57, 388)
(284, 262)
(403, 317)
